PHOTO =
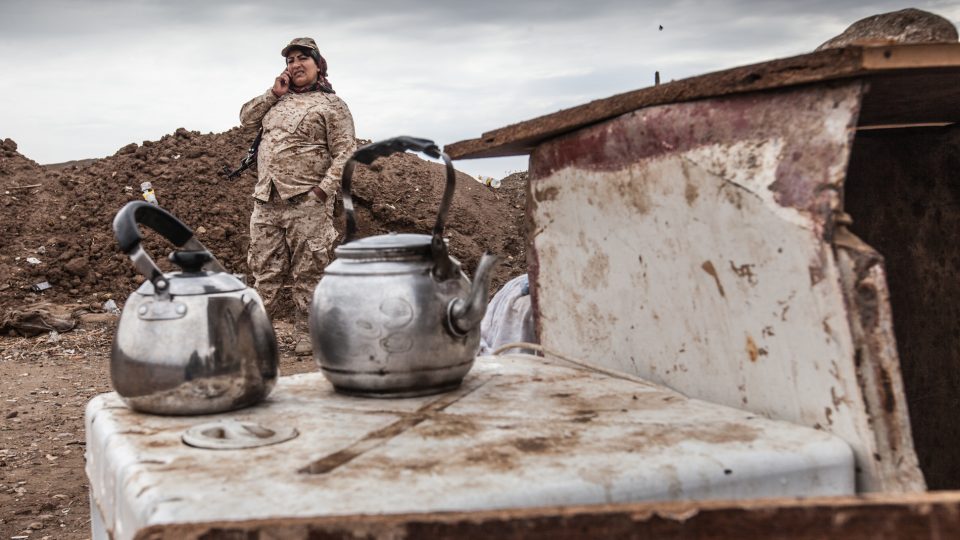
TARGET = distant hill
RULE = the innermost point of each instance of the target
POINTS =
(79, 163)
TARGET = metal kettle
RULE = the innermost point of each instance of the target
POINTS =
(394, 315)
(191, 342)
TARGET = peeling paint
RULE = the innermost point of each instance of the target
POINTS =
(752, 351)
(709, 269)
(752, 182)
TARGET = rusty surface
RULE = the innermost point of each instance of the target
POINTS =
(939, 62)
(754, 297)
(927, 516)
(791, 116)
(903, 192)
(878, 365)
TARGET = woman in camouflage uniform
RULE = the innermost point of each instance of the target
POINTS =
(308, 136)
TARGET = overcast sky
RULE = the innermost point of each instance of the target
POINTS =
(81, 79)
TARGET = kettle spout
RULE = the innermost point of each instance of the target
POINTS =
(463, 315)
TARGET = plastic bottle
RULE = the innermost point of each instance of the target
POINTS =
(489, 181)
(148, 194)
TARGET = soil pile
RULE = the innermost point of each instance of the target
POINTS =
(56, 227)
(57, 220)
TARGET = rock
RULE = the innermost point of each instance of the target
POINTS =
(9, 145)
(904, 26)
(128, 149)
(36, 526)
(77, 266)
(12, 414)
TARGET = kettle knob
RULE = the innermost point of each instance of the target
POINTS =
(191, 261)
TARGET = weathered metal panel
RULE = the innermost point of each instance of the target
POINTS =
(934, 516)
(520, 432)
(691, 244)
(916, 82)
(875, 357)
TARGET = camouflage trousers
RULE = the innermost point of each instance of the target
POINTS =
(290, 239)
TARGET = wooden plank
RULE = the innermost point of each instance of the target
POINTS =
(520, 138)
(929, 515)
(903, 193)
(916, 96)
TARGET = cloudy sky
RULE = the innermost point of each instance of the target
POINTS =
(83, 78)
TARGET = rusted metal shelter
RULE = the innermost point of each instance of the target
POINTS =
(780, 237)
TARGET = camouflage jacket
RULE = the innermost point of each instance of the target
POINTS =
(307, 139)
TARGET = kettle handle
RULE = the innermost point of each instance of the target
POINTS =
(369, 153)
(128, 236)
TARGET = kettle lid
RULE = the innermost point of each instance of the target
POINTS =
(194, 280)
(195, 283)
(387, 246)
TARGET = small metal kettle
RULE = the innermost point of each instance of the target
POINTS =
(394, 315)
(191, 342)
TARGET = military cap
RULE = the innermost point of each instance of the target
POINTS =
(300, 43)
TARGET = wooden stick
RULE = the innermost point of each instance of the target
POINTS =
(25, 187)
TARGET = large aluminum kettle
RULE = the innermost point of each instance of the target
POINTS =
(394, 315)
(190, 342)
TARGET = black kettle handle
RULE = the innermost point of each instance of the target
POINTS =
(166, 224)
(128, 234)
(369, 153)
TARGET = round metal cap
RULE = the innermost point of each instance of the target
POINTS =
(235, 435)
(194, 283)
(387, 246)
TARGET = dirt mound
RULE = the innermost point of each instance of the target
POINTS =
(62, 217)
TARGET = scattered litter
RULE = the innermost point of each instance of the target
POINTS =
(53, 337)
(148, 194)
(489, 181)
(33, 260)
(42, 286)
(110, 306)
(39, 318)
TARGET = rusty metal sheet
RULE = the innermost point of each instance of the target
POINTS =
(520, 432)
(916, 82)
(691, 244)
(932, 516)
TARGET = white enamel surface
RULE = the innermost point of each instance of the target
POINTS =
(521, 432)
(685, 269)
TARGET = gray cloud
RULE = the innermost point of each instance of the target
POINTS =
(88, 77)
